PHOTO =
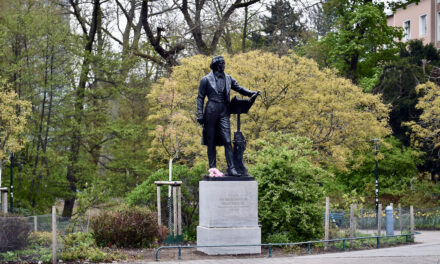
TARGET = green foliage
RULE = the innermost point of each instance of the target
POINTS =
(42, 254)
(424, 193)
(40, 239)
(290, 196)
(38, 249)
(296, 97)
(425, 133)
(278, 238)
(397, 167)
(126, 227)
(416, 51)
(145, 194)
(81, 246)
(283, 28)
(397, 84)
(361, 38)
(13, 119)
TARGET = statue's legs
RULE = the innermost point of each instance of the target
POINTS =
(218, 127)
(230, 160)
(212, 155)
(213, 111)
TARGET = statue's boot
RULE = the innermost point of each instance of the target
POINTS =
(230, 161)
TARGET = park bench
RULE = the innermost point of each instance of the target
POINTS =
(336, 218)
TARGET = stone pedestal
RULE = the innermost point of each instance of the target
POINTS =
(228, 215)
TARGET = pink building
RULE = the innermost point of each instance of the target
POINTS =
(420, 21)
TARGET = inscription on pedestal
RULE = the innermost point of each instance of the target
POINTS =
(227, 204)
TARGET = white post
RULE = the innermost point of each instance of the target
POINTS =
(179, 211)
(159, 212)
(352, 222)
(379, 219)
(326, 221)
(400, 218)
(35, 223)
(411, 219)
(5, 203)
(170, 175)
(54, 235)
(174, 210)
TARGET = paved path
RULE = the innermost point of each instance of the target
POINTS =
(427, 250)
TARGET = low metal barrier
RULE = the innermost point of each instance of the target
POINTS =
(270, 245)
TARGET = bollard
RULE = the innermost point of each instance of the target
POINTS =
(389, 223)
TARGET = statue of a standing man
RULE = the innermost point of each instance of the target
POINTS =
(215, 119)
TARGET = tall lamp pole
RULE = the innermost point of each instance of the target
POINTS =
(376, 149)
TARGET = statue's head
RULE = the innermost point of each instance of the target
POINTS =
(218, 64)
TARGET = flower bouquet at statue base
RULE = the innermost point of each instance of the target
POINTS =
(214, 172)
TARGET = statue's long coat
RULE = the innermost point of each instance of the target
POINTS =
(207, 88)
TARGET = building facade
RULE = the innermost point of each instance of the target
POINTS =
(421, 21)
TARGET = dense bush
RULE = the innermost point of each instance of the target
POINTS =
(40, 239)
(126, 227)
(290, 196)
(14, 232)
(81, 246)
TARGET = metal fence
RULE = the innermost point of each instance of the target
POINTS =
(65, 225)
(365, 221)
(31, 238)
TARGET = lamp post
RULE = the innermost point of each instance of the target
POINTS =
(376, 149)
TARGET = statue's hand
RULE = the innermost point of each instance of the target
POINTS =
(255, 94)
(201, 120)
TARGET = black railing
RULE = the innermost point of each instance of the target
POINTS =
(270, 245)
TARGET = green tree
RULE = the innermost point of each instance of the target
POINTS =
(361, 39)
(297, 97)
(290, 196)
(397, 84)
(34, 59)
(425, 133)
(397, 170)
(14, 114)
(283, 28)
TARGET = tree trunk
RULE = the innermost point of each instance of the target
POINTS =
(243, 40)
(76, 140)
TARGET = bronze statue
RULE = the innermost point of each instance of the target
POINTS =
(215, 117)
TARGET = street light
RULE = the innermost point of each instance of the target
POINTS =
(376, 149)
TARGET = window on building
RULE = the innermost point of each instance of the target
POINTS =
(422, 26)
(407, 30)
